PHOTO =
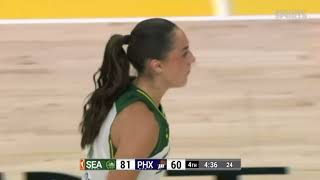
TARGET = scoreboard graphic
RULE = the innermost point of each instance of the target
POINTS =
(161, 164)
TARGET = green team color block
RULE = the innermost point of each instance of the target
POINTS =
(100, 164)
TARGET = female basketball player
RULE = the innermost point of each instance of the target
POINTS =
(123, 118)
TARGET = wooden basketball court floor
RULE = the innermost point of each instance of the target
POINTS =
(253, 94)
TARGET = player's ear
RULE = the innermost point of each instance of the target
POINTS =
(156, 65)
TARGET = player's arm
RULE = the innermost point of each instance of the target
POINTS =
(135, 134)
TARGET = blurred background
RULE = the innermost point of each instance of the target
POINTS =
(253, 94)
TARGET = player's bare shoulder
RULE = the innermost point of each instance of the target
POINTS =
(135, 120)
(136, 114)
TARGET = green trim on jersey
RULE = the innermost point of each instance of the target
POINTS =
(112, 149)
(132, 95)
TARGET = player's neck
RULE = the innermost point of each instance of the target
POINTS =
(153, 89)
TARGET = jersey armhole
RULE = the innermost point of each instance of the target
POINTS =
(113, 149)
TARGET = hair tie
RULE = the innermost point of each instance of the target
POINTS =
(126, 39)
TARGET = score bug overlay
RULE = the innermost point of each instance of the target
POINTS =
(160, 164)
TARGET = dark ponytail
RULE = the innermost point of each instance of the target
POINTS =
(111, 79)
(151, 38)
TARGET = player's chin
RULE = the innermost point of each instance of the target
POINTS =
(181, 83)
